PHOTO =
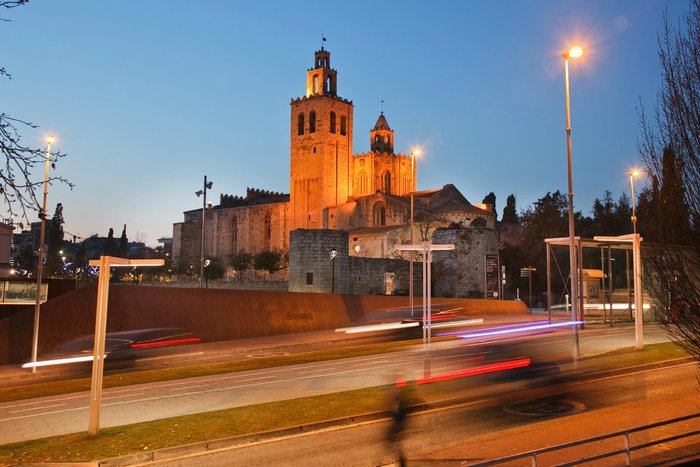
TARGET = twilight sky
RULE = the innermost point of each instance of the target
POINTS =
(147, 97)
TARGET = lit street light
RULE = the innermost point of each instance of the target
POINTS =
(414, 154)
(40, 267)
(572, 53)
(637, 272)
(207, 186)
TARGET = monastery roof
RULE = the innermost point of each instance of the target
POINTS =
(381, 124)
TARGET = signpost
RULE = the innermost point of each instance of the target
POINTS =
(426, 248)
(527, 272)
(492, 280)
(105, 263)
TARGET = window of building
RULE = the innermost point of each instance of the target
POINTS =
(315, 88)
(386, 182)
(332, 122)
(378, 214)
(234, 235)
(267, 233)
(312, 122)
(309, 278)
(343, 124)
(362, 185)
(300, 124)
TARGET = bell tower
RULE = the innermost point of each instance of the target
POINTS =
(320, 147)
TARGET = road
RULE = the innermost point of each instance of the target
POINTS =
(55, 415)
(454, 436)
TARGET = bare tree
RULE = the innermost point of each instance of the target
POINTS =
(670, 148)
(16, 185)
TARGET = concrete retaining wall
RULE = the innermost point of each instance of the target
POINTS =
(210, 314)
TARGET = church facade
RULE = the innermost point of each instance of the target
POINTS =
(367, 195)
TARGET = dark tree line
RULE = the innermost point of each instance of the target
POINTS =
(670, 209)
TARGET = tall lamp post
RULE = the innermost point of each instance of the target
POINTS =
(414, 153)
(572, 53)
(203, 191)
(40, 267)
(334, 253)
(637, 271)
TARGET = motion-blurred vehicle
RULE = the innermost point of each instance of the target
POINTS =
(123, 345)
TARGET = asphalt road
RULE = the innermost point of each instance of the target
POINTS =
(54, 415)
(455, 436)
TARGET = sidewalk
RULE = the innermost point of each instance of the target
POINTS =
(584, 425)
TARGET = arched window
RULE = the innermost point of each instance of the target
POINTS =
(234, 235)
(386, 182)
(378, 214)
(312, 122)
(300, 124)
(405, 183)
(267, 233)
(343, 124)
(315, 88)
(332, 122)
(362, 187)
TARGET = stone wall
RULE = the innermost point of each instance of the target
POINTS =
(311, 268)
(460, 273)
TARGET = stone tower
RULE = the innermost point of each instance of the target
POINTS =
(320, 147)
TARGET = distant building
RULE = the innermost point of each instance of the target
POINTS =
(366, 195)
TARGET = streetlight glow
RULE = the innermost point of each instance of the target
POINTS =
(574, 52)
(50, 139)
(634, 173)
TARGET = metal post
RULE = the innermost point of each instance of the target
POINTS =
(638, 294)
(99, 346)
(201, 256)
(529, 278)
(549, 284)
(610, 284)
(40, 265)
(410, 265)
(629, 288)
(572, 235)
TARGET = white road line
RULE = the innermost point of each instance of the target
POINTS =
(315, 371)
(36, 408)
(114, 396)
(188, 387)
(42, 414)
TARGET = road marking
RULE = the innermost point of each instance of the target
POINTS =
(36, 408)
(114, 396)
(188, 387)
(315, 371)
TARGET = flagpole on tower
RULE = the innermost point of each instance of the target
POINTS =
(323, 39)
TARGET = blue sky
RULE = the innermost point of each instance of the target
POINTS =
(148, 97)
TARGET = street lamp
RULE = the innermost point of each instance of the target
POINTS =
(414, 154)
(40, 267)
(637, 272)
(633, 174)
(334, 253)
(207, 186)
(572, 53)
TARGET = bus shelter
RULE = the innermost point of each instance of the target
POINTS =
(595, 276)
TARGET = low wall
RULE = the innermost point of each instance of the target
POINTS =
(211, 314)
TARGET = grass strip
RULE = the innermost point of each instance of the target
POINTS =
(158, 434)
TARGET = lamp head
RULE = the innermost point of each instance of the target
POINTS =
(199, 193)
(209, 185)
(415, 152)
(50, 139)
(634, 173)
(573, 52)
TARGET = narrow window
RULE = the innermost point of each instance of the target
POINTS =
(343, 124)
(315, 88)
(378, 214)
(309, 278)
(267, 233)
(332, 122)
(312, 122)
(300, 124)
(328, 85)
(387, 182)
(234, 235)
